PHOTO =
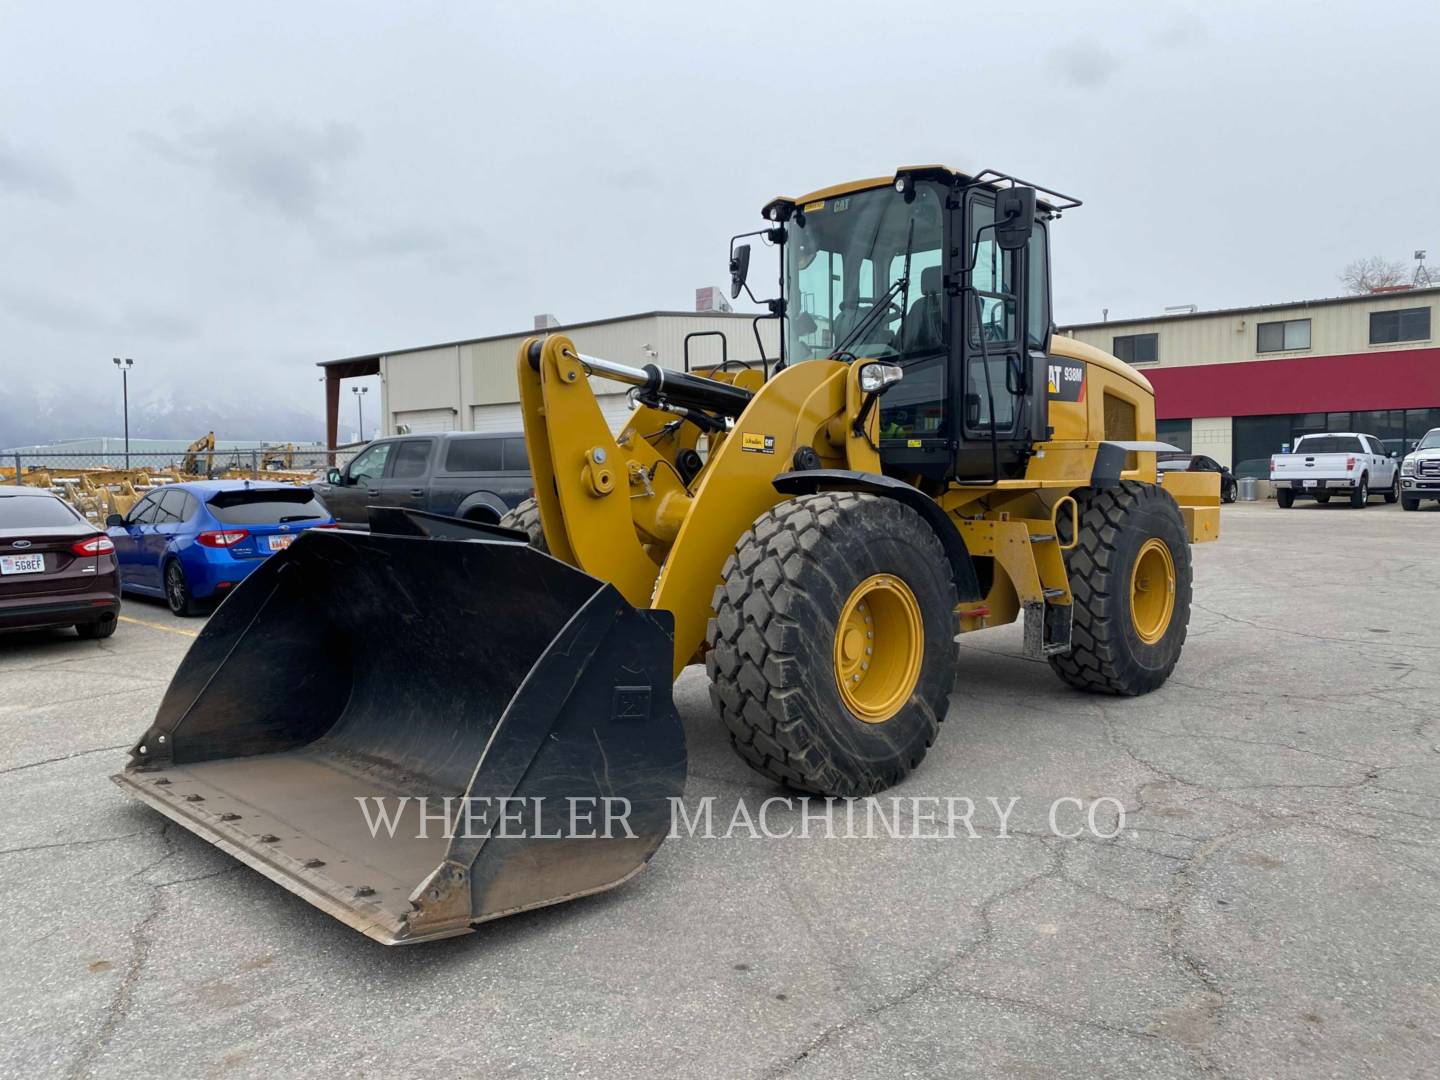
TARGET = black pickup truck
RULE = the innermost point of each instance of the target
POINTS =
(456, 473)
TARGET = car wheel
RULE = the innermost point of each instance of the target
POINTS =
(1285, 498)
(1322, 499)
(1409, 504)
(177, 591)
(1230, 492)
(1361, 495)
(93, 631)
(1393, 495)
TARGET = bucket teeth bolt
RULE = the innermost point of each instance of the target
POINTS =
(364, 890)
(194, 798)
(229, 817)
(269, 838)
(311, 864)
(164, 780)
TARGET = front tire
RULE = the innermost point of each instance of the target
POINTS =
(1130, 578)
(1230, 492)
(526, 518)
(1407, 503)
(1361, 495)
(1322, 499)
(823, 589)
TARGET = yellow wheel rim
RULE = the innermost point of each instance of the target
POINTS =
(879, 643)
(1152, 590)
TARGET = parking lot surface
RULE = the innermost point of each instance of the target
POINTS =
(1270, 908)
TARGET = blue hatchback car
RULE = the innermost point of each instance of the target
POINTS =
(188, 543)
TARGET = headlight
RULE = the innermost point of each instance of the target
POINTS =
(875, 377)
(1407, 467)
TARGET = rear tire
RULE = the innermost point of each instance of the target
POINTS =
(1361, 495)
(1393, 495)
(1230, 492)
(1285, 498)
(177, 591)
(526, 518)
(1126, 638)
(781, 639)
(94, 631)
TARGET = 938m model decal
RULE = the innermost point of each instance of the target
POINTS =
(1066, 380)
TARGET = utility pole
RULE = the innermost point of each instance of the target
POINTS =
(358, 391)
(125, 366)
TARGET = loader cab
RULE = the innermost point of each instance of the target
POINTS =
(880, 269)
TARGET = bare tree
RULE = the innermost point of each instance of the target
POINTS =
(1376, 272)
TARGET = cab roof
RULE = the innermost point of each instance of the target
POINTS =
(989, 177)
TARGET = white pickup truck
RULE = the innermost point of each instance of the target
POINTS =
(1335, 463)
(1420, 472)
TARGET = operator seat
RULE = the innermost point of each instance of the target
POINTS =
(925, 323)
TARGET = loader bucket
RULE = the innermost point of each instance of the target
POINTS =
(357, 693)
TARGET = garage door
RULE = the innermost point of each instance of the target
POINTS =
(418, 421)
(495, 417)
(506, 417)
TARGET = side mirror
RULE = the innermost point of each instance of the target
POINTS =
(739, 269)
(1014, 217)
(114, 521)
(333, 477)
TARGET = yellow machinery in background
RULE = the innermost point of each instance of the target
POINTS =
(925, 458)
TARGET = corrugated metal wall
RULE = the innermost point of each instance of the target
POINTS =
(477, 380)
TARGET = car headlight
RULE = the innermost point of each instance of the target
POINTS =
(1407, 467)
(875, 377)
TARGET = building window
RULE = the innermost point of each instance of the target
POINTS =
(1406, 324)
(1137, 348)
(1283, 336)
(1174, 432)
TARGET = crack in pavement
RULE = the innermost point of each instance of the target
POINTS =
(931, 978)
(124, 996)
(62, 757)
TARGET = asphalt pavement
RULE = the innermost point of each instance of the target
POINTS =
(1269, 907)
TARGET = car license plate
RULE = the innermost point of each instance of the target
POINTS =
(279, 543)
(1311, 483)
(22, 564)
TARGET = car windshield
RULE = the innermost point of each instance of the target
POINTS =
(266, 506)
(1430, 441)
(1171, 464)
(34, 512)
(843, 258)
(1330, 444)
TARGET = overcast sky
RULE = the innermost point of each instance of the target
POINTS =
(231, 193)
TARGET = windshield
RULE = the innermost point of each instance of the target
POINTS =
(1430, 441)
(844, 254)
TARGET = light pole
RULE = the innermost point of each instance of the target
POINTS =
(358, 391)
(125, 366)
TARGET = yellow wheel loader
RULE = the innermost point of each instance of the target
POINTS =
(438, 722)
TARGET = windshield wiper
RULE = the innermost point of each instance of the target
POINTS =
(298, 517)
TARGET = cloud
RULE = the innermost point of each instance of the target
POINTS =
(1181, 30)
(66, 315)
(1084, 64)
(282, 166)
(28, 175)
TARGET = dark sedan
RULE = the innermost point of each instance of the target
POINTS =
(56, 569)
(1229, 489)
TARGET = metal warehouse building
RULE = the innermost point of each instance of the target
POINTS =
(470, 385)
(1244, 383)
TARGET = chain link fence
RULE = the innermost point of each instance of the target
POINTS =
(110, 482)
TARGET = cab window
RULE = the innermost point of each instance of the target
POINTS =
(370, 465)
(410, 459)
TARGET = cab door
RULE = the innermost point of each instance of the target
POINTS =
(997, 371)
(406, 480)
(130, 540)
